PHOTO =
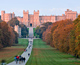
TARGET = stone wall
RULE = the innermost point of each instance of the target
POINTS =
(35, 20)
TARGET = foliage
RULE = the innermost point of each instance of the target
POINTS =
(76, 37)
(39, 30)
(7, 35)
(65, 36)
(13, 22)
(24, 30)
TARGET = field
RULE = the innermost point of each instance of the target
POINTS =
(8, 53)
(43, 54)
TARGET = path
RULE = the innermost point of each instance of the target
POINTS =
(25, 54)
(30, 32)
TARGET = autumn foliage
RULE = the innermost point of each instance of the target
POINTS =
(7, 35)
(64, 35)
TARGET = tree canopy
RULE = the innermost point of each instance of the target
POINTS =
(7, 36)
(64, 35)
(24, 30)
(13, 22)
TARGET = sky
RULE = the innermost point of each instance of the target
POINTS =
(45, 7)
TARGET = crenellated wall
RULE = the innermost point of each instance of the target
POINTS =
(35, 20)
(7, 16)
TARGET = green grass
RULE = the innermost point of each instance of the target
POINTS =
(12, 58)
(8, 53)
(28, 29)
(23, 41)
(43, 54)
(35, 33)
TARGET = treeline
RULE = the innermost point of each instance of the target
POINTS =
(7, 35)
(64, 35)
(39, 30)
(24, 30)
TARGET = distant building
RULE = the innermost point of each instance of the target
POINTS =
(18, 30)
(7, 16)
(36, 20)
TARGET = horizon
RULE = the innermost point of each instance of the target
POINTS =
(50, 7)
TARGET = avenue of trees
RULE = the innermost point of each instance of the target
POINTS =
(63, 35)
(24, 30)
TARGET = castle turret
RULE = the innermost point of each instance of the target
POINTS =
(2, 15)
(7, 16)
(71, 14)
(36, 18)
(25, 17)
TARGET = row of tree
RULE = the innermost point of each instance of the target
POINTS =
(7, 35)
(64, 35)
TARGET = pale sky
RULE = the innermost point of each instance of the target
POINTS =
(45, 7)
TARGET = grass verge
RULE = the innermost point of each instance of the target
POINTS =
(43, 54)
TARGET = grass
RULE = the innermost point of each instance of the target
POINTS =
(8, 53)
(35, 33)
(28, 29)
(43, 54)
(23, 41)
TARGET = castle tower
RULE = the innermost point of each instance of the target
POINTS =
(36, 18)
(71, 14)
(18, 30)
(2, 15)
(8, 16)
(25, 17)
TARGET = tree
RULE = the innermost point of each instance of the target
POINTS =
(39, 30)
(13, 22)
(24, 30)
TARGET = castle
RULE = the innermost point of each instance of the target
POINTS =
(36, 20)
(7, 16)
(18, 30)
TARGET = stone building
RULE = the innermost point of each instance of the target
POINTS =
(18, 30)
(7, 16)
(36, 20)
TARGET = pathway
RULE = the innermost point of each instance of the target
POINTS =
(25, 54)
(31, 32)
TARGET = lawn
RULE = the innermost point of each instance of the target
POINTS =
(22, 41)
(8, 53)
(35, 33)
(43, 54)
